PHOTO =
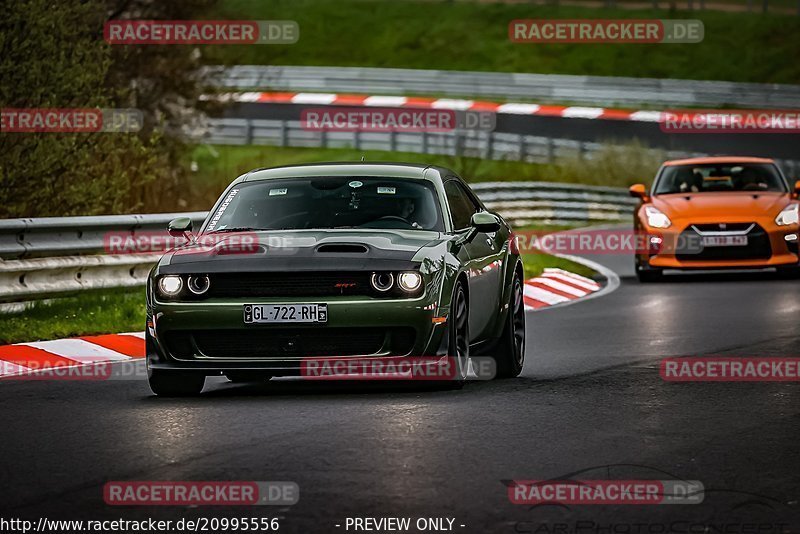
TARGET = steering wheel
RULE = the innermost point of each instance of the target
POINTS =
(389, 218)
(394, 218)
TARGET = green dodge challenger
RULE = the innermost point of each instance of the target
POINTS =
(335, 261)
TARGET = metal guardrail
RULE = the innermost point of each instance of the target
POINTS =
(60, 236)
(528, 203)
(473, 143)
(589, 90)
(50, 257)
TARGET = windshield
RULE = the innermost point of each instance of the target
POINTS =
(329, 202)
(720, 177)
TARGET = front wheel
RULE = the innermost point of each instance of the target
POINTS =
(789, 273)
(649, 275)
(459, 332)
(175, 383)
(510, 355)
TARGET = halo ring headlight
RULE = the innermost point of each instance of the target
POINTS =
(198, 284)
(170, 285)
(382, 282)
(409, 281)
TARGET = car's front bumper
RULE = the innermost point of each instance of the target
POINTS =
(194, 335)
(778, 247)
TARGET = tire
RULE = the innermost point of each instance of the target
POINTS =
(175, 383)
(649, 275)
(459, 332)
(509, 354)
(791, 272)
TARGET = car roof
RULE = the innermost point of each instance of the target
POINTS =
(365, 168)
(717, 159)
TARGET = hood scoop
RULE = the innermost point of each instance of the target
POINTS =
(342, 248)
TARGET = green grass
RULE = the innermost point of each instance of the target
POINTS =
(219, 165)
(473, 36)
(111, 311)
(535, 264)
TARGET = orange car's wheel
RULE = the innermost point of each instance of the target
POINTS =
(649, 275)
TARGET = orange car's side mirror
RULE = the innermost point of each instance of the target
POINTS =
(638, 191)
(797, 189)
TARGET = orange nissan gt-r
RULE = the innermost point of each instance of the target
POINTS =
(718, 213)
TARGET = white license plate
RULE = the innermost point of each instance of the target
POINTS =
(725, 241)
(286, 313)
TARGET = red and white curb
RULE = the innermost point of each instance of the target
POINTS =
(556, 286)
(333, 99)
(25, 358)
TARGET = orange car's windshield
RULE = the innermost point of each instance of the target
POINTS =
(756, 177)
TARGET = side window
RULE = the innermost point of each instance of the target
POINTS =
(461, 205)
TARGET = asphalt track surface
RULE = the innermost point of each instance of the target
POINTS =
(773, 145)
(590, 401)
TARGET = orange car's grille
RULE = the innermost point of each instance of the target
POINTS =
(757, 248)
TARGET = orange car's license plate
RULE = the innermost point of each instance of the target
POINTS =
(725, 241)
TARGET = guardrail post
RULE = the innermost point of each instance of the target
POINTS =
(284, 134)
(457, 143)
(248, 132)
(357, 139)
(488, 148)
(424, 142)
(393, 141)
(551, 149)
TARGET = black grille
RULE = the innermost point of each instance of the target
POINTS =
(293, 342)
(757, 248)
(300, 284)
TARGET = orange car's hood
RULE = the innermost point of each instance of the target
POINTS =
(728, 206)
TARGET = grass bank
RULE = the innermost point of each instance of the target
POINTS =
(739, 47)
(89, 313)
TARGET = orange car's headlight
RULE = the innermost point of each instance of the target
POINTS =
(655, 218)
(789, 215)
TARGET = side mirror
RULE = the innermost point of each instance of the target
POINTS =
(485, 222)
(797, 189)
(180, 227)
(638, 191)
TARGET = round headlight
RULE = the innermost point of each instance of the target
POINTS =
(198, 284)
(170, 285)
(409, 281)
(382, 281)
